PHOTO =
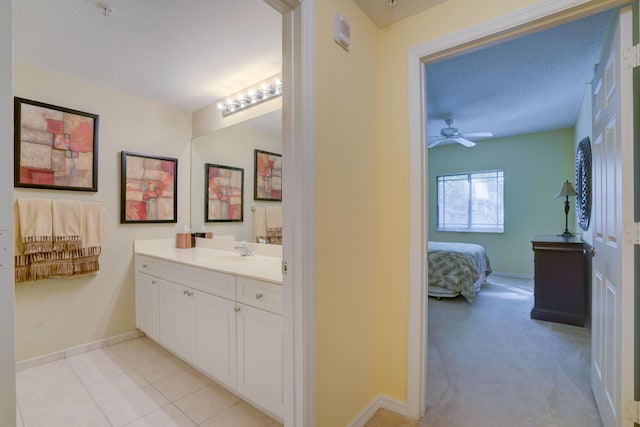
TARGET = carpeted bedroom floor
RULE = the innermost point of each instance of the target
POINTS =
(490, 364)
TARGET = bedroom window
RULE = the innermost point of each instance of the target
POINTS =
(471, 202)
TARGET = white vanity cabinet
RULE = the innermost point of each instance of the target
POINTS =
(199, 327)
(260, 343)
(147, 296)
(228, 326)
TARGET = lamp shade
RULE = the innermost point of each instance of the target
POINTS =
(566, 190)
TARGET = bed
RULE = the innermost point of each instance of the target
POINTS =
(457, 269)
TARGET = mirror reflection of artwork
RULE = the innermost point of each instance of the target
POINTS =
(148, 188)
(268, 176)
(223, 193)
(55, 147)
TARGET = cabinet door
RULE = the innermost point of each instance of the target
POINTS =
(172, 317)
(213, 336)
(260, 358)
(147, 305)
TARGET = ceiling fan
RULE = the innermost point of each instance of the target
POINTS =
(450, 134)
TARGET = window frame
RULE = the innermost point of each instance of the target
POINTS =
(470, 228)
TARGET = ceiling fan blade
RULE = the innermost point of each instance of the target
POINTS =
(464, 142)
(477, 134)
(435, 143)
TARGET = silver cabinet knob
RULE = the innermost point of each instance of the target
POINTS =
(236, 309)
(145, 265)
(259, 296)
(154, 282)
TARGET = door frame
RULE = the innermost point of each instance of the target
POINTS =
(7, 290)
(298, 231)
(544, 13)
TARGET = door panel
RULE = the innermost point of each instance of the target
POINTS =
(172, 317)
(611, 288)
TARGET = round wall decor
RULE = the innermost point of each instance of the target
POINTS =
(583, 183)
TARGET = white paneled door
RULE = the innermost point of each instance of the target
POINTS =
(612, 279)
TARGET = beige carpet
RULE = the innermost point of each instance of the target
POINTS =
(490, 364)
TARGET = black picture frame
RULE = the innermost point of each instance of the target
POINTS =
(148, 188)
(223, 193)
(55, 147)
(267, 176)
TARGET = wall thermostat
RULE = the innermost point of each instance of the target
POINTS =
(341, 32)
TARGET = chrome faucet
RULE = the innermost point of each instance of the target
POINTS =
(244, 249)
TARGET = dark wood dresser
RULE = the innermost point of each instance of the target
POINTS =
(559, 279)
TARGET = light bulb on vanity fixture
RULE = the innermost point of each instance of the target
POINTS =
(269, 89)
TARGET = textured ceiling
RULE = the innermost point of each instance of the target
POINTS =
(532, 84)
(187, 53)
(387, 12)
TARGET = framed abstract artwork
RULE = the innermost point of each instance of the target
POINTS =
(267, 176)
(224, 192)
(148, 188)
(54, 147)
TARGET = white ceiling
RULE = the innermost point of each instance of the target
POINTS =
(192, 53)
(532, 84)
(387, 12)
(186, 53)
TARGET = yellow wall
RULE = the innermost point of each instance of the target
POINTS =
(56, 314)
(363, 197)
(346, 214)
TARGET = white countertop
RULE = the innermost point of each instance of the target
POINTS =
(267, 268)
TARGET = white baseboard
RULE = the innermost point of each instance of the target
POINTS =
(380, 402)
(79, 349)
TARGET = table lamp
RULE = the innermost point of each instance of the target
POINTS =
(566, 191)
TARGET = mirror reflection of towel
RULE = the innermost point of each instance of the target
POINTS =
(259, 224)
(274, 224)
(274, 217)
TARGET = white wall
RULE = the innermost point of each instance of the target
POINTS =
(56, 314)
(231, 146)
(7, 318)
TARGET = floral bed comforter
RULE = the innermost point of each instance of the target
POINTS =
(458, 267)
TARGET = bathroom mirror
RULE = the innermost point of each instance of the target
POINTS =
(234, 147)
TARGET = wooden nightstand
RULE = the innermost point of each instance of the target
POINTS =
(559, 279)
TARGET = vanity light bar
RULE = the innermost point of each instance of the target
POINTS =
(248, 98)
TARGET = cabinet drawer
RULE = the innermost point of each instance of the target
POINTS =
(147, 265)
(212, 282)
(263, 295)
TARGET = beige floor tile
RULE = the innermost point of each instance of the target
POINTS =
(163, 368)
(241, 415)
(139, 352)
(36, 385)
(167, 416)
(181, 385)
(206, 402)
(112, 388)
(92, 417)
(97, 365)
(133, 406)
(35, 375)
(58, 408)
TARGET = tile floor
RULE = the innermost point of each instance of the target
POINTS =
(135, 383)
